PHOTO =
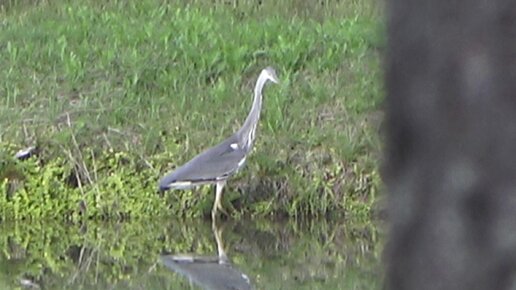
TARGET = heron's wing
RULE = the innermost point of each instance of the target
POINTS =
(215, 163)
(208, 273)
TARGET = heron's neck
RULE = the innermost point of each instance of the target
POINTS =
(248, 129)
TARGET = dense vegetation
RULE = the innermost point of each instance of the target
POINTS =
(114, 94)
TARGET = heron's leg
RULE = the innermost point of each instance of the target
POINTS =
(217, 232)
(218, 197)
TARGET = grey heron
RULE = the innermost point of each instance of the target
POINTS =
(209, 272)
(216, 164)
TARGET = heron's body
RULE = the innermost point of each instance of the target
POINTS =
(209, 272)
(216, 164)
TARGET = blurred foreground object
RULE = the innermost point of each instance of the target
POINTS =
(451, 149)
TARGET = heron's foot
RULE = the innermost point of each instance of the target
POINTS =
(217, 207)
(216, 210)
(223, 210)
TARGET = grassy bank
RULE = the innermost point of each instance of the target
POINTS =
(115, 94)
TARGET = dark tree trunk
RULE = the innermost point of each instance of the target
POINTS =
(451, 150)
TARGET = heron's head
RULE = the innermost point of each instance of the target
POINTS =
(270, 74)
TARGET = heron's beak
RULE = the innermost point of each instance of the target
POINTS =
(275, 80)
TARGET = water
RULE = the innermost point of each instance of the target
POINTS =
(165, 254)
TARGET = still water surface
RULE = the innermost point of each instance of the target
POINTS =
(194, 254)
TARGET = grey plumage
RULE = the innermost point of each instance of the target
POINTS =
(216, 164)
(208, 272)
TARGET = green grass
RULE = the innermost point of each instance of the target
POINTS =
(117, 93)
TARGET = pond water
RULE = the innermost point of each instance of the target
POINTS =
(194, 254)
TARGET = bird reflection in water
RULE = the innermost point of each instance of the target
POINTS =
(209, 272)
